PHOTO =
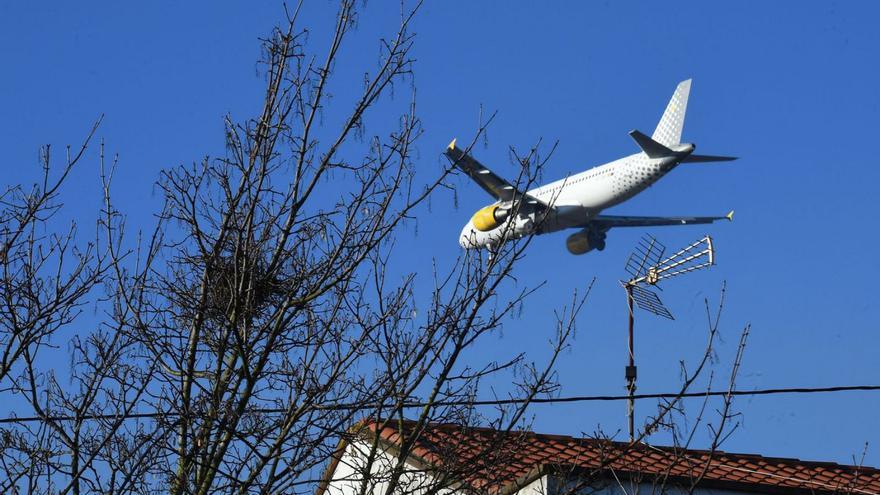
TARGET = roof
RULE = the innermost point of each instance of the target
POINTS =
(501, 463)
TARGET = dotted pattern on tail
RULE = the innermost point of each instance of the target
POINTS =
(668, 132)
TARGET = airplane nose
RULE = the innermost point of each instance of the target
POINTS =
(466, 239)
(463, 240)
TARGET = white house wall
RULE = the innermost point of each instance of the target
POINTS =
(348, 477)
(537, 487)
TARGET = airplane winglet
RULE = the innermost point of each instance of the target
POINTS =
(729, 216)
(451, 145)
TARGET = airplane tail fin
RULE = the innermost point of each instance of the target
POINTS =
(668, 132)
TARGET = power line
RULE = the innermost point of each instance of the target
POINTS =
(496, 402)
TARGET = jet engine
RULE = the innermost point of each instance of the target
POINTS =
(585, 241)
(489, 218)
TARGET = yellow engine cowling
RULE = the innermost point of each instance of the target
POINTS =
(579, 243)
(585, 241)
(489, 218)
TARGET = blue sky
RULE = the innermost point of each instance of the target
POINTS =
(793, 91)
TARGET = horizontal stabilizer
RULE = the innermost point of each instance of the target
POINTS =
(707, 158)
(651, 148)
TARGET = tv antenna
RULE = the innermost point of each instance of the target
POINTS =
(647, 267)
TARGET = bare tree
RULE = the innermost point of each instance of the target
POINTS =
(242, 336)
(45, 277)
(257, 321)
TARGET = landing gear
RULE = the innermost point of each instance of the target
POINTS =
(597, 238)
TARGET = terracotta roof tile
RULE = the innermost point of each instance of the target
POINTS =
(516, 454)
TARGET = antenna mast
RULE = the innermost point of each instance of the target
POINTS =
(647, 267)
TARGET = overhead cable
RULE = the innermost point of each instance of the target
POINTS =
(475, 403)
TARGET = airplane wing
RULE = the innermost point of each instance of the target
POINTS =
(490, 182)
(609, 221)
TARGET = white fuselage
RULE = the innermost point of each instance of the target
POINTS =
(576, 199)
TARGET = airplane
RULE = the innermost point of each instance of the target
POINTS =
(577, 201)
